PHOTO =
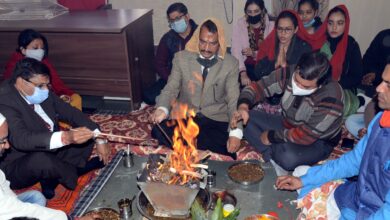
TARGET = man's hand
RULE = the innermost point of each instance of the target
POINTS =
(103, 151)
(288, 183)
(368, 79)
(76, 136)
(233, 144)
(264, 138)
(244, 78)
(242, 114)
(158, 116)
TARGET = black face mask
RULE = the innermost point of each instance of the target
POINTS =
(253, 19)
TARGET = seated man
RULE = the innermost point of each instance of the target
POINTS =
(312, 110)
(205, 77)
(368, 197)
(39, 151)
(28, 204)
(182, 29)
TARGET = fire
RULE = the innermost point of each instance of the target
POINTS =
(184, 152)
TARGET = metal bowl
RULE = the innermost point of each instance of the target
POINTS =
(246, 163)
(100, 210)
(226, 197)
(146, 209)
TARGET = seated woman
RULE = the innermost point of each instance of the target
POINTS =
(282, 47)
(308, 12)
(343, 52)
(34, 45)
(248, 33)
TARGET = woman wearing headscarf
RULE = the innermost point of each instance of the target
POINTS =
(248, 33)
(333, 39)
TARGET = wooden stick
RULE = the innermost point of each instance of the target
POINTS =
(117, 136)
(204, 166)
(165, 134)
(191, 173)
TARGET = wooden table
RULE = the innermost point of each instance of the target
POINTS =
(101, 53)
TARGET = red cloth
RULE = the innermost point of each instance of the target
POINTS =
(82, 4)
(58, 86)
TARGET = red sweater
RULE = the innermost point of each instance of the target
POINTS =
(58, 86)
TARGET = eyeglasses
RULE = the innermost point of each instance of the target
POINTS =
(285, 30)
(171, 21)
(41, 85)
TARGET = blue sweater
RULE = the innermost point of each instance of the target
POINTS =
(368, 197)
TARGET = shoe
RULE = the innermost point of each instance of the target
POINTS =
(48, 187)
(92, 164)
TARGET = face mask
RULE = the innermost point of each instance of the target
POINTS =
(179, 26)
(296, 90)
(38, 96)
(35, 54)
(254, 19)
(309, 24)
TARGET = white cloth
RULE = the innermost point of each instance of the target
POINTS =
(11, 206)
(332, 211)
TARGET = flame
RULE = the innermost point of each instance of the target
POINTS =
(184, 144)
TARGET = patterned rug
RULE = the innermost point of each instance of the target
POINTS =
(135, 124)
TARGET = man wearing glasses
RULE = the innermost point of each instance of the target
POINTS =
(28, 204)
(182, 29)
(39, 151)
(205, 77)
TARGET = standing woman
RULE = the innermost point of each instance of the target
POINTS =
(343, 51)
(34, 45)
(308, 12)
(248, 33)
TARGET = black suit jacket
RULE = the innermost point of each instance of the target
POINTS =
(27, 130)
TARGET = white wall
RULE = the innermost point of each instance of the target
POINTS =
(368, 17)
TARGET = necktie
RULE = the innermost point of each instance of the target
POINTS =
(206, 63)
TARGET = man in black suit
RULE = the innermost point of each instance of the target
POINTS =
(39, 151)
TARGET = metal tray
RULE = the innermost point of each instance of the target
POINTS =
(246, 163)
(104, 209)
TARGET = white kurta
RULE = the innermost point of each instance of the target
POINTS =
(11, 206)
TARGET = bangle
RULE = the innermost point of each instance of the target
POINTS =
(101, 141)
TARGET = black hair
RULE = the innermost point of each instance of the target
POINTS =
(388, 60)
(335, 10)
(27, 36)
(287, 14)
(315, 65)
(313, 3)
(210, 26)
(179, 7)
(259, 3)
(28, 68)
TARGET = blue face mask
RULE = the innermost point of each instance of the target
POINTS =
(309, 24)
(38, 96)
(179, 26)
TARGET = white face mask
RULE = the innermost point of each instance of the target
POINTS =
(296, 90)
(37, 54)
